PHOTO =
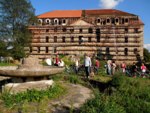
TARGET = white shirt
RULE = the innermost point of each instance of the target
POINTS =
(87, 62)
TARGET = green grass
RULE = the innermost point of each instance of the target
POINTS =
(7, 64)
(11, 100)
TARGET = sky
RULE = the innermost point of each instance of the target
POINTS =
(137, 7)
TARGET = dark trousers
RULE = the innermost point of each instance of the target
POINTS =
(87, 71)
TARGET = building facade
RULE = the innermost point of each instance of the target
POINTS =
(110, 33)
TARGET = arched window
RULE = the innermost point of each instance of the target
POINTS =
(64, 22)
(56, 21)
(108, 20)
(47, 21)
(40, 21)
(126, 51)
(117, 20)
(98, 20)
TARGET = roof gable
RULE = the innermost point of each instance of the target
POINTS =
(81, 23)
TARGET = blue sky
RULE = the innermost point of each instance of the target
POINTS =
(138, 7)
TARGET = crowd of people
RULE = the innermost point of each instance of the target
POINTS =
(93, 65)
(55, 61)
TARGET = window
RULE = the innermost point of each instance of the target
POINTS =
(64, 29)
(126, 30)
(89, 39)
(98, 38)
(135, 51)
(97, 31)
(38, 50)
(56, 21)
(72, 39)
(47, 39)
(108, 20)
(80, 39)
(64, 21)
(71, 30)
(63, 39)
(40, 21)
(98, 20)
(55, 29)
(47, 21)
(90, 30)
(47, 30)
(126, 39)
(136, 30)
(117, 20)
(55, 38)
(55, 50)
(30, 49)
(46, 49)
(122, 20)
(80, 30)
(126, 20)
(126, 51)
(107, 50)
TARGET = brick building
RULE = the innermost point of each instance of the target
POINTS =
(108, 32)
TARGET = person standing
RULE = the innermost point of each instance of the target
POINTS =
(87, 64)
(76, 65)
(123, 66)
(113, 67)
(143, 69)
(97, 65)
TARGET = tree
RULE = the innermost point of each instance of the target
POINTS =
(3, 49)
(15, 17)
(146, 55)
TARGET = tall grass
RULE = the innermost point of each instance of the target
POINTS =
(128, 95)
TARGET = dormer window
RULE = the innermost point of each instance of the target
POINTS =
(64, 22)
(117, 20)
(126, 20)
(98, 20)
(56, 21)
(40, 21)
(108, 20)
(48, 21)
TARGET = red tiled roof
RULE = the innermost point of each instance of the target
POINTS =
(79, 13)
(106, 12)
(61, 14)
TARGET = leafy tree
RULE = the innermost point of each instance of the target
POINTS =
(146, 55)
(15, 17)
(3, 48)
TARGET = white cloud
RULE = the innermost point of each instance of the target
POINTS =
(147, 46)
(109, 4)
